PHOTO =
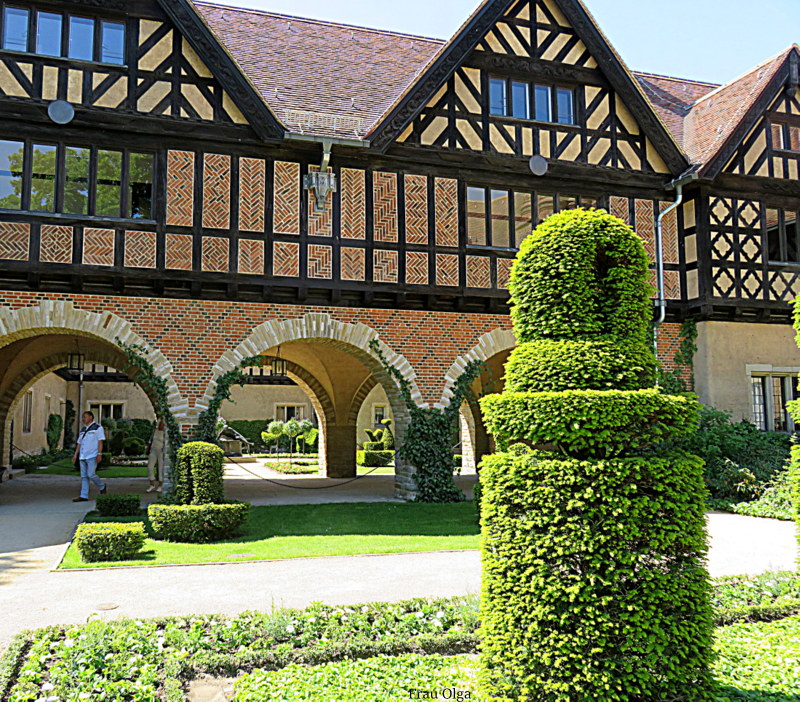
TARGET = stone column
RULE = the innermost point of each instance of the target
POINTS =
(340, 451)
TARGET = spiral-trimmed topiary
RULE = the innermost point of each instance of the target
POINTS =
(593, 580)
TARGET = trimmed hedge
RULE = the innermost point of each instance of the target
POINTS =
(581, 274)
(198, 474)
(134, 446)
(197, 524)
(109, 541)
(374, 459)
(118, 505)
(589, 423)
(596, 364)
(373, 446)
(613, 551)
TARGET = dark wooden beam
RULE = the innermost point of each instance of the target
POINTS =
(531, 68)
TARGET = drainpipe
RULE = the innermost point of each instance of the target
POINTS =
(661, 299)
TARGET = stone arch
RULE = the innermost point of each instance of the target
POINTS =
(365, 389)
(353, 341)
(490, 344)
(60, 318)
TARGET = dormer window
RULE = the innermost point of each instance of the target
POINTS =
(523, 100)
(56, 34)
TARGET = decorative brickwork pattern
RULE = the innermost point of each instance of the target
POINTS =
(447, 269)
(504, 272)
(619, 207)
(286, 198)
(252, 194)
(98, 247)
(215, 254)
(15, 239)
(180, 188)
(354, 203)
(319, 223)
(384, 267)
(320, 261)
(56, 244)
(446, 211)
(645, 226)
(353, 263)
(251, 256)
(384, 201)
(670, 233)
(217, 191)
(416, 209)
(479, 273)
(179, 251)
(140, 249)
(416, 268)
(672, 285)
(286, 259)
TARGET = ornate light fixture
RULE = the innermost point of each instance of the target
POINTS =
(278, 366)
(76, 361)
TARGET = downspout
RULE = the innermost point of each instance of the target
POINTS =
(661, 298)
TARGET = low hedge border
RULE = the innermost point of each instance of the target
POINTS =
(197, 524)
(13, 658)
(118, 505)
(374, 459)
(109, 541)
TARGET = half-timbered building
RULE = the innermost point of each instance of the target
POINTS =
(216, 183)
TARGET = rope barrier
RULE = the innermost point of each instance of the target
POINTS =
(302, 487)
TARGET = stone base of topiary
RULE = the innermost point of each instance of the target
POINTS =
(197, 524)
(594, 585)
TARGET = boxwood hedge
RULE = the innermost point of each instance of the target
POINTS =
(198, 474)
(109, 541)
(197, 523)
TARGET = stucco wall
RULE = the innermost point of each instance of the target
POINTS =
(36, 439)
(725, 349)
(376, 396)
(260, 402)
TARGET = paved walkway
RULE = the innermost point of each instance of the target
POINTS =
(37, 519)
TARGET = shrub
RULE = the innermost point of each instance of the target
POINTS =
(739, 458)
(775, 502)
(109, 541)
(142, 429)
(250, 429)
(373, 445)
(198, 474)
(458, 460)
(199, 524)
(55, 426)
(118, 505)
(374, 459)
(29, 462)
(594, 585)
(134, 446)
(388, 436)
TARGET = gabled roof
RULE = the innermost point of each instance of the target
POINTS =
(320, 77)
(189, 22)
(720, 117)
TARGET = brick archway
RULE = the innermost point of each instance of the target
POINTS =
(352, 339)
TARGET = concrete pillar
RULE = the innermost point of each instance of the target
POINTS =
(340, 451)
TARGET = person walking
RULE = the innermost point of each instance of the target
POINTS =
(155, 458)
(89, 451)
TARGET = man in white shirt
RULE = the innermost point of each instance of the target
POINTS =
(89, 450)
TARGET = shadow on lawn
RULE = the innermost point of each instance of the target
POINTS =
(347, 519)
(734, 694)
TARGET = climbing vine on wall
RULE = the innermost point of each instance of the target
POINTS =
(672, 381)
(206, 428)
(155, 387)
(428, 438)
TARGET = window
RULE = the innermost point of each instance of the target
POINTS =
(81, 38)
(770, 394)
(510, 98)
(107, 410)
(286, 412)
(379, 413)
(27, 412)
(15, 29)
(11, 174)
(785, 137)
(58, 34)
(76, 180)
(476, 216)
(783, 236)
(500, 217)
(566, 111)
(48, 401)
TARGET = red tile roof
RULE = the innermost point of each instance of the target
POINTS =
(320, 77)
(332, 79)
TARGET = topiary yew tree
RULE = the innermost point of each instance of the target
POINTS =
(794, 463)
(593, 544)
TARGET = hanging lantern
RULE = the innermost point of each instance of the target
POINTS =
(76, 362)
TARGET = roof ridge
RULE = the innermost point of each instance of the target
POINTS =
(676, 78)
(312, 20)
(752, 70)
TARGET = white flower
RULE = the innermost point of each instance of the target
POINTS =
(48, 686)
(290, 629)
(69, 643)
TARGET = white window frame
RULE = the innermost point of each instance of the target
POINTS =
(27, 412)
(99, 415)
(283, 405)
(763, 370)
(385, 408)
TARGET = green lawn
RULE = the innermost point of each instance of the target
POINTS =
(65, 467)
(338, 529)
